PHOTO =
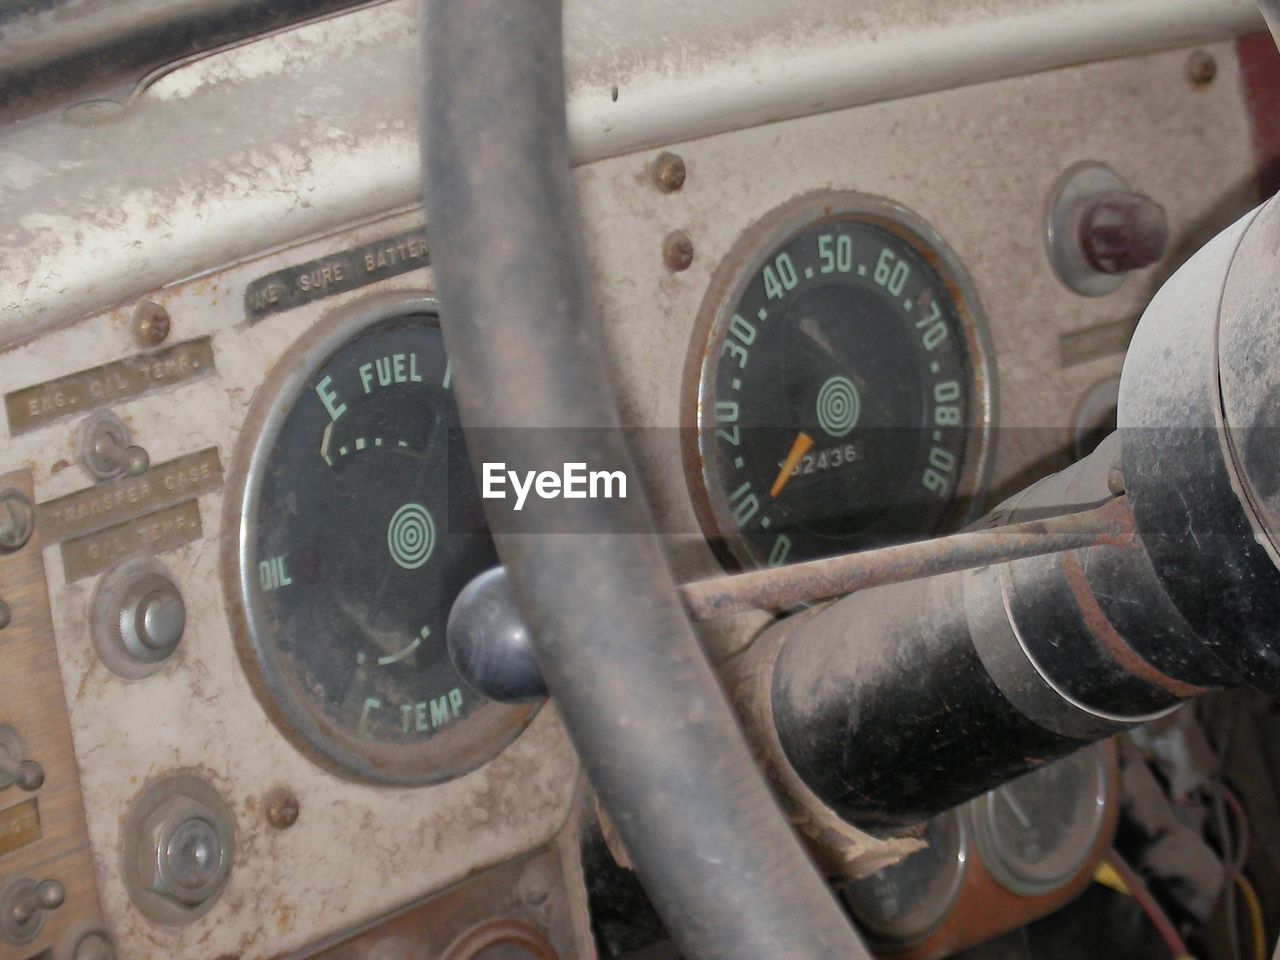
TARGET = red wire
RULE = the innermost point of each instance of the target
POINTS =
(1142, 896)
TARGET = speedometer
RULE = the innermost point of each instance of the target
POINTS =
(840, 385)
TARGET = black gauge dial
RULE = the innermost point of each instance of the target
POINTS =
(351, 559)
(902, 904)
(842, 396)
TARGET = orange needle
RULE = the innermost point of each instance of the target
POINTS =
(798, 450)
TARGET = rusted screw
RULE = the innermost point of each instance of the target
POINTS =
(282, 808)
(1201, 68)
(677, 251)
(668, 172)
(150, 323)
(17, 520)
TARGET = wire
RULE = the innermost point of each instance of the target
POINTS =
(1242, 826)
(1255, 915)
(1137, 889)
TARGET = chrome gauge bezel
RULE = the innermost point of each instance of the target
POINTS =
(1005, 870)
(729, 284)
(445, 755)
(891, 937)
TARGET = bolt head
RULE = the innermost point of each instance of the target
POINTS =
(1201, 68)
(669, 172)
(282, 808)
(677, 251)
(185, 853)
(151, 324)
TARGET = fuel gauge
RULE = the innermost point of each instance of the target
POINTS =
(356, 532)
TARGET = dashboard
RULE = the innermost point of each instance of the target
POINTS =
(245, 540)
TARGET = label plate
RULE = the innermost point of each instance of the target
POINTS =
(123, 498)
(336, 273)
(34, 406)
(156, 532)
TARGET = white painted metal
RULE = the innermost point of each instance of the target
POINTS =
(315, 127)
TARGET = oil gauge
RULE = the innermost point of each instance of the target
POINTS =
(356, 531)
(840, 385)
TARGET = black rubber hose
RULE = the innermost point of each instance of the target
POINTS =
(644, 708)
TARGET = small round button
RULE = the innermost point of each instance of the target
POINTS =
(152, 617)
(138, 617)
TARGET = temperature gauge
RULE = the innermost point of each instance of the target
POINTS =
(356, 531)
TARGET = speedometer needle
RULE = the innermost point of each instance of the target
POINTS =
(798, 450)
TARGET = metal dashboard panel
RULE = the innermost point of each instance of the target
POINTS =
(978, 163)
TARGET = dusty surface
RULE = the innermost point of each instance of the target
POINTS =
(977, 163)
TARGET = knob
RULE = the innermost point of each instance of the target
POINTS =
(114, 458)
(489, 642)
(23, 905)
(151, 617)
(14, 769)
(1098, 230)
(106, 451)
(1122, 231)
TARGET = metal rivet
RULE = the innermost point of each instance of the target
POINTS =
(282, 808)
(150, 323)
(1201, 68)
(677, 251)
(668, 172)
(17, 520)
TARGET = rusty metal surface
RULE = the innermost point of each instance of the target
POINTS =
(784, 587)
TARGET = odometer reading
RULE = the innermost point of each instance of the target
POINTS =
(838, 406)
(349, 568)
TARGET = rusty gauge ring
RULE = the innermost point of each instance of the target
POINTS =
(352, 523)
(840, 381)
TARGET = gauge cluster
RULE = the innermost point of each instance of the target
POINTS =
(863, 342)
(1025, 847)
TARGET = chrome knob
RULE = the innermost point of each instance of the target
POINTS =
(23, 906)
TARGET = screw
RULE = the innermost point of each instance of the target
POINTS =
(668, 172)
(1201, 68)
(150, 323)
(282, 808)
(677, 251)
(17, 520)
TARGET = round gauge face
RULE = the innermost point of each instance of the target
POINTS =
(1035, 833)
(350, 556)
(904, 903)
(842, 396)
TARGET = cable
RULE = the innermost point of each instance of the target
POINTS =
(1255, 915)
(1137, 889)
